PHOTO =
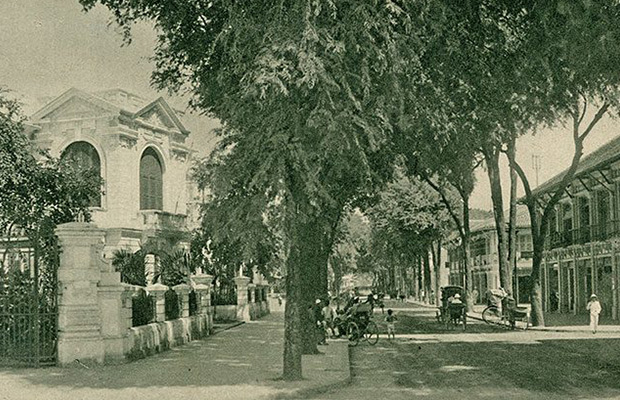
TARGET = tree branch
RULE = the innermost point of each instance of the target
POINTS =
(585, 108)
(524, 181)
(597, 117)
(448, 205)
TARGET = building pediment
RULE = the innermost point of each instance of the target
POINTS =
(159, 114)
(75, 104)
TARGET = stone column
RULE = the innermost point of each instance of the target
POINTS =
(149, 268)
(252, 301)
(114, 319)
(159, 292)
(79, 320)
(183, 291)
(243, 308)
(203, 291)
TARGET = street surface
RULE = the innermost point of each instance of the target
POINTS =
(485, 362)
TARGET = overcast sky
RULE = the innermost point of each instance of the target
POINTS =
(47, 47)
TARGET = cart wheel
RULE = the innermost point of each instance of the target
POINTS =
(353, 333)
(491, 315)
(371, 334)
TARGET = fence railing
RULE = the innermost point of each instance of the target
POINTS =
(142, 308)
(172, 305)
(583, 235)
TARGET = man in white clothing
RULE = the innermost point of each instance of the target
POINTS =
(594, 306)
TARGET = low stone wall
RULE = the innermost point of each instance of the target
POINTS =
(155, 337)
(225, 313)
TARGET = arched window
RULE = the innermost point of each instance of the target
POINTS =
(151, 197)
(84, 157)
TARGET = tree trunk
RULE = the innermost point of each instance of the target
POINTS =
(465, 239)
(437, 266)
(316, 248)
(492, 161)
(418, 280)
(512, 221)
(427, 277)
(293, 311)
(537, 314)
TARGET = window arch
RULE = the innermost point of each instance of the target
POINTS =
(84, 157)
(151, 182)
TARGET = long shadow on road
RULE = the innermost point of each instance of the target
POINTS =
(484, 362)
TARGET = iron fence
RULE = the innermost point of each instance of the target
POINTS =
(28, 301)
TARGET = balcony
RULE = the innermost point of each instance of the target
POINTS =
(163, 221)
(583, 235)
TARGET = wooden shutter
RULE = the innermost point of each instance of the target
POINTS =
(151, 183)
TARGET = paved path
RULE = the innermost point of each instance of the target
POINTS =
(240, 363)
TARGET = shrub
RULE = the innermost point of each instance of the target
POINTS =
(172, 308)
(131, 266)
(193, 303)
(143, 309)
(174, 268)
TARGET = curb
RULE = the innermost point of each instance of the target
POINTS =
(225, 328)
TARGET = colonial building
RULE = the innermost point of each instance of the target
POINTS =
(484, 262)
(140, 148)
(582, 250)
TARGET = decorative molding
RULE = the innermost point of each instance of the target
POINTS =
(127, 142)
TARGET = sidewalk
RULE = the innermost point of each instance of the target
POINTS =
(243, 362)
(556, 322)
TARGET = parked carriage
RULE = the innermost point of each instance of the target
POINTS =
(453, 308)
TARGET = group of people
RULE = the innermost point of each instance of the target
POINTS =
(325, 316)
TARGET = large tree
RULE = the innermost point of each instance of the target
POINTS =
(306, 92)
(576, 50)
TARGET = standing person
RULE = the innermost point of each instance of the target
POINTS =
(329, 314)
(319, 324)
(391, 319)
(594, 306)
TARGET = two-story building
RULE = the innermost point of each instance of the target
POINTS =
(582, 250)
(484, 262)
(140, 149)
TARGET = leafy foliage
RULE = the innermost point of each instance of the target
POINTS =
(174, 268)
(131, 266)
(37, 192)
(143, 309)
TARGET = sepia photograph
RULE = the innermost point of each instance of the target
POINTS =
(309, 199)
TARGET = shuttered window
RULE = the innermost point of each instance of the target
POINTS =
(151, 195)
(84, 157)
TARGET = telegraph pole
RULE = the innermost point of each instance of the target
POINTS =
(536, 165)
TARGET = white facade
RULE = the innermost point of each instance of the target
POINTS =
(121, 127)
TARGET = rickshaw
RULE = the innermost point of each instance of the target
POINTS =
(502, 310)
(357, 324)
(453, 308)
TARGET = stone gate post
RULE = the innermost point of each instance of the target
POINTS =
(203, 289)
(79, 320)
(243, 308)
(182, 291)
